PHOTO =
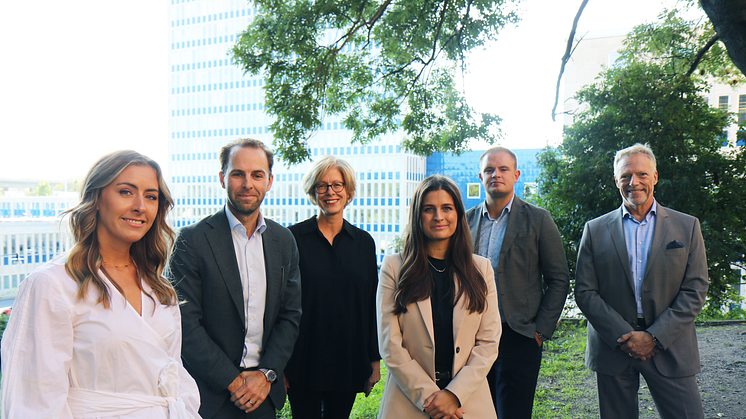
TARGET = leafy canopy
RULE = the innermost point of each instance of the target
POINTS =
(649, 98)
(372, 63)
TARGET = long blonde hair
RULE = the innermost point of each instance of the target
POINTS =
(149, 254)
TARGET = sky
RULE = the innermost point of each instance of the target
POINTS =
(81, 78)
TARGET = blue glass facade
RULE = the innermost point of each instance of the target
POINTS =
(464, 170)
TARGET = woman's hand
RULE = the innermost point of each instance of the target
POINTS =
(443, 405)
(374, 378)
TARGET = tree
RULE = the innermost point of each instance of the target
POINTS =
(42, 190)
(373, 63)
(652, 98)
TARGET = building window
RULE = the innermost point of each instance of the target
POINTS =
(723, 103)
(742, 109)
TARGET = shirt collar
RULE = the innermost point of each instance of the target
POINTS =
(508, 207)
(233, 222)
(652, 212)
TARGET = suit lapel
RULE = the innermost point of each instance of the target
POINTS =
(515, 219)
(617, 238)
(221, 244)
(659, 234)
(426, 311)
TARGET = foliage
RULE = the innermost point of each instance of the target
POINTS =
(371, 63)
(652, 100)
(42, 190)
(3, 322)
(673, 43)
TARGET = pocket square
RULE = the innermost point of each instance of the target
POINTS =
(674, 245)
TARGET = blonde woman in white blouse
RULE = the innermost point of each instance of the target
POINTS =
(96, 332)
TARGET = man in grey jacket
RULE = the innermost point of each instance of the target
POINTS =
(526, 251)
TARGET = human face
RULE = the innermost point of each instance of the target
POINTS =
(330, 202)
(127, 207)
(635, 177)
(498, 174)
(438, 216)
(246, 180)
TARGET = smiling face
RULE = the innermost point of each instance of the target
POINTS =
(636, 177)
(438, 216)
(127, 207)
(246, 179)
(330, 202)
(498, 174)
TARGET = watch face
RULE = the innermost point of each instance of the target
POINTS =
(271, 376)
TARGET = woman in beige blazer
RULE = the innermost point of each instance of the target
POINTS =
(436, 294)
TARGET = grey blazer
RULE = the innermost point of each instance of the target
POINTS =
(673, 291)
(204, 270)
(532, 275)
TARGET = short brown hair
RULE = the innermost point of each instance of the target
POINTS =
(225, 152)
(499, 149)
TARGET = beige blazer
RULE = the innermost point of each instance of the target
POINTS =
(407, 345)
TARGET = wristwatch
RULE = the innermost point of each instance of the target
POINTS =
(270, 374)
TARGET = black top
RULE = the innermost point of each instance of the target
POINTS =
(442, 303)
(337, 339)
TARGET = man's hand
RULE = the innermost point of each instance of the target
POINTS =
(249, 389)
(538, 338)
(443, 405)
(639, 345)
(374, 378)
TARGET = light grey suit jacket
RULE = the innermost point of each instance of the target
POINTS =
(204, 270)
(673, 291)
(532, 275)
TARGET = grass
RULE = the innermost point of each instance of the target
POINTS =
(563, 390)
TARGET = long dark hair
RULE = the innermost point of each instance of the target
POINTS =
(415, 279)
(149, 253)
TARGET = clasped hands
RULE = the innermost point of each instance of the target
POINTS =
(249, 389)
(443, 405)
(639, 345)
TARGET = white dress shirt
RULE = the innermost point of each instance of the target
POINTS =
(250, 257)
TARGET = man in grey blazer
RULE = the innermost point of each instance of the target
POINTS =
(526, 252)
(641, 281)
(238, 275)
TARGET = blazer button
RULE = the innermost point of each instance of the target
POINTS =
(458, 349)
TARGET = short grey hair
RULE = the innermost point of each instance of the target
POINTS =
(320, 168)
(632, 150)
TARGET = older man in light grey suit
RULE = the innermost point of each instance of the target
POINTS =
(641, 281)
(526, 252)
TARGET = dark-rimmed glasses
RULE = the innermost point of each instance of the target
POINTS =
(321, 188)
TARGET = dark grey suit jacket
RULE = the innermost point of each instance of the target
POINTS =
(673, 291)
(204, 270)
(532, 275)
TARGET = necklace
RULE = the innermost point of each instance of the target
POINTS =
(118, 266)
(436, 269)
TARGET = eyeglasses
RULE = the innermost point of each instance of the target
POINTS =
(321, 188)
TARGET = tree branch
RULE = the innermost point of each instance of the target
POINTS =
(702, 53)
(568, 54)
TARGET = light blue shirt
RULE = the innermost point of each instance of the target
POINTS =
(491, 235)
(250, 257)
(638, 235)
